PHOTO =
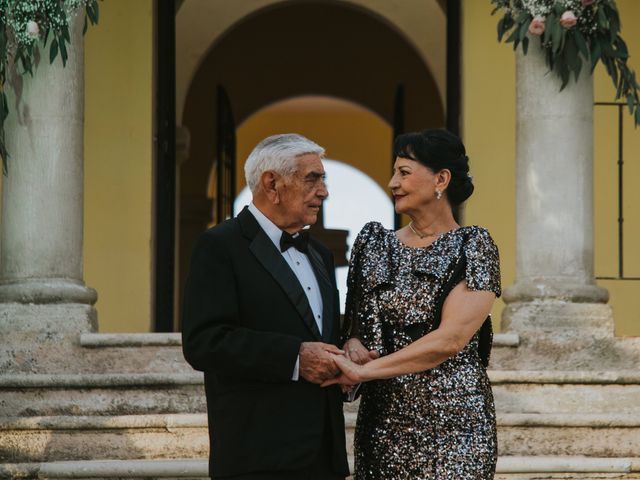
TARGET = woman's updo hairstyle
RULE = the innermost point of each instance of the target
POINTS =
(438, 149)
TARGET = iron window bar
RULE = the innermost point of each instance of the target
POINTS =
(621, 107)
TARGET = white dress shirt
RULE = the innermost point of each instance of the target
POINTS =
(301, 266)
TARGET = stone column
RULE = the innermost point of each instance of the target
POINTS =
(41, 285)
(555, 294)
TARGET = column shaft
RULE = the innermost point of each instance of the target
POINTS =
(554, 184)
(42, 206)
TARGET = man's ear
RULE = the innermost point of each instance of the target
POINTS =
(270, 183)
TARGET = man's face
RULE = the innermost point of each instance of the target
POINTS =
(302, 193)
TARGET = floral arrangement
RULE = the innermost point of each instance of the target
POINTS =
(25, 25)
(573, 33)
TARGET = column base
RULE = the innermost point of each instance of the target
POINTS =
(47, 290)
(555, 289)
(70, 318)
(562, 335)
(43, 338)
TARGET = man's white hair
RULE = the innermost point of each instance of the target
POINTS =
(277, 153)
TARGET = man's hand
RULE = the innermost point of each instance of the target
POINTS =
(350, 373)
(316, 361)
(357, 353)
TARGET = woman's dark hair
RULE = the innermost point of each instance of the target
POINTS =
(438, 149)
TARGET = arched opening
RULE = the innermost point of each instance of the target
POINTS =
(295, 49)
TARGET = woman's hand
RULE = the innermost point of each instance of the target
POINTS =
(357, 353)
(351, 373)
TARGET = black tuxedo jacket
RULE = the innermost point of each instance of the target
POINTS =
(245, 315)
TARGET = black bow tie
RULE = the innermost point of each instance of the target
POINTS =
(300, 241)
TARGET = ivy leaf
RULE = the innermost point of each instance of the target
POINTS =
(556, 36)
(524, 28)
(53, 50)
(93, 12)
(63, 52)
(513, 36)
(504, 25)
(577, 68)
(603, 23)
(581, 44)
(547, 31)
(596, 52)
(630, 103)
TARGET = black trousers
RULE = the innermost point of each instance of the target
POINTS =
(320, 469)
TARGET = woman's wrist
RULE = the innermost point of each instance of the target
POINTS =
(367, 371)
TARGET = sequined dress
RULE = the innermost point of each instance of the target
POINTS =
(439, 424)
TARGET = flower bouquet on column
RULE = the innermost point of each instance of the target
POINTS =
(574, 35)
(24, 26)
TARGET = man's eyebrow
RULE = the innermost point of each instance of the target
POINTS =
(316, 174)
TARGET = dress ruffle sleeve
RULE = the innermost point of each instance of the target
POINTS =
(483, 262)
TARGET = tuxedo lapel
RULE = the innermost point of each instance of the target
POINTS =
(271, 259)
(326, 291)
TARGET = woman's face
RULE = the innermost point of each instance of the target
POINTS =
(413, 185)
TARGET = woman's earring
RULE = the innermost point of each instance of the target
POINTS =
(438, 194)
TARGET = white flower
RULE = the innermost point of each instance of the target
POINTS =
(33, 29)
(568, 19)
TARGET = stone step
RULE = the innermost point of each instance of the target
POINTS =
(148, 393)
(594, 435)
(24, 395)
(93, 353)
(137, 340)
(29, 439)
(566, 391)
(508, 468)
(29, 352)
(37, 439)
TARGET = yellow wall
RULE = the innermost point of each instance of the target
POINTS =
(118, 163)
(118, 154)
(488, 129)
(489, 132)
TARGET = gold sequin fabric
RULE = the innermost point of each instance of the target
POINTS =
(434, 425)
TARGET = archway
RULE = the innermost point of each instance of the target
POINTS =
(293, 49)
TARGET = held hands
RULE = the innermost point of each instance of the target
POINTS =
(317, 361)
(351, 365)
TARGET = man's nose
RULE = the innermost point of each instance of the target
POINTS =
(322, 191)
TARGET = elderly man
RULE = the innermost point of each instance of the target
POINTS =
(261, 318)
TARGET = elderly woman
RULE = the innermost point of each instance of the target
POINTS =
(426, 408)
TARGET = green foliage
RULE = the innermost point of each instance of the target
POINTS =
(571, 49)
(25, 27)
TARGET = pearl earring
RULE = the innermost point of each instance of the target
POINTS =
(438, 194)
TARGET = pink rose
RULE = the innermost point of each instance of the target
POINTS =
(568, 19)
(536, 27)
(586, 3)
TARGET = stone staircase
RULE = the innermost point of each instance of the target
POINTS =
(146, 417)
